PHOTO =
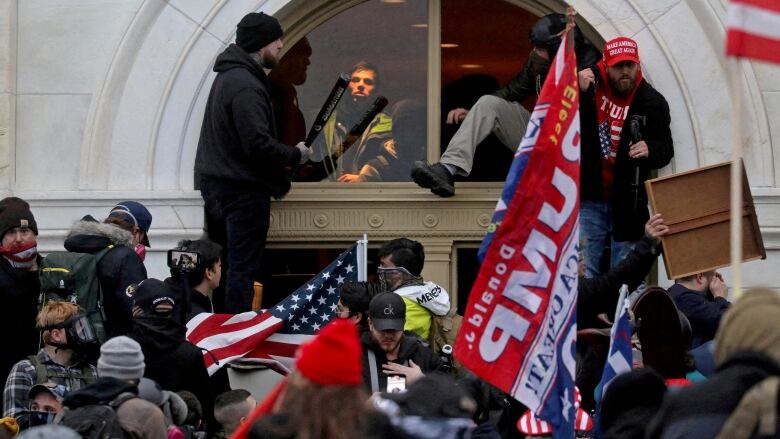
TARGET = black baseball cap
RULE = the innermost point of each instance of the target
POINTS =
(154, 296)
(387, 311)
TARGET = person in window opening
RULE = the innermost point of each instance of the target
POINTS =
(360, 161)
(500, 113)
(289, 73)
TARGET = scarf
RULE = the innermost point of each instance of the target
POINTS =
(21, 256)
(612, 111)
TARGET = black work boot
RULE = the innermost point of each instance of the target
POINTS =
(434, 177)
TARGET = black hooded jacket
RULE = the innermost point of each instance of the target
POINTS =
(171, 360)
(119, 268)
(238, 141)
(102, 391)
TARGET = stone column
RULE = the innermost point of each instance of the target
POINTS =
(8, 27)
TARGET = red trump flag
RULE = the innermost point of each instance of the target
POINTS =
(520, 326)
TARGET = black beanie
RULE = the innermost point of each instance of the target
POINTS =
(256, 30)
(15, 212)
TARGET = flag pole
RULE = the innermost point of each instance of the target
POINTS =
(736, 180)
(363, 258)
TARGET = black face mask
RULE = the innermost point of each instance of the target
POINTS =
(40, 418)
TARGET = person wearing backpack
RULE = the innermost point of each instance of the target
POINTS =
(119, 243)
(110, 407)
(66, 336)
(19, 285)
(171, 360)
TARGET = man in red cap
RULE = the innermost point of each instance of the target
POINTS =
(625, 135)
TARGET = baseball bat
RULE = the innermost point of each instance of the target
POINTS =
(327, 108)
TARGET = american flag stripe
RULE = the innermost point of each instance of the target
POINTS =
(753, 29)
(272, 336)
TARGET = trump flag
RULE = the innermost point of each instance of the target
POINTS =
(520, 326)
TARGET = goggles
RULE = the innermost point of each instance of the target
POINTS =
(384, 273)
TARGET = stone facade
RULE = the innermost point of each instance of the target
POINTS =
(102, 100)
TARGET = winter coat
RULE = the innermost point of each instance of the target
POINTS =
(422, 300)
(172, 361)
(412, 348)
(699, 411)
(119, 268)
(19, 291)
(627, 224)
(702, 309)
(238, 141)
(139, 418)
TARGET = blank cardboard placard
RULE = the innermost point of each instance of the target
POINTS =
(696, 207)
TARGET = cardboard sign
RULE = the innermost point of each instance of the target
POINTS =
(696, 207)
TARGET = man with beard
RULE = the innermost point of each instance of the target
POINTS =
(500, 113)
(363, 87)
(240, 164)
(388, 352)
(625, 135)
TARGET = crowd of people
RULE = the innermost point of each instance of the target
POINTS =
(97, 349)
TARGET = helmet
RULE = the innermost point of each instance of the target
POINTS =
(544, 33)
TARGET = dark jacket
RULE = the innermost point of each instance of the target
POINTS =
(118, 269)
(699, 411)
(529, 81)
(599, 295)
(412, 348)
(627, 224)
(238, 142)
(172, 361)
(273, 427)
(19, 291)
(138, 418)
(703, 310)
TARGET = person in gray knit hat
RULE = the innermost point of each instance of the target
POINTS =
(121, 358)
(120, 368)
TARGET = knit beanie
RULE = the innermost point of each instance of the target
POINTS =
(121, 358)
(750, 325)
(256, 30)
(15, 212)
(333, 357)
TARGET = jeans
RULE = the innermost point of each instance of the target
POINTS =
(240, 218)
(596, 234)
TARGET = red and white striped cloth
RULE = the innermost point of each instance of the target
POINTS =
(530, 425)
(753, 29)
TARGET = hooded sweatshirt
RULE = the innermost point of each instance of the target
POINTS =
(119, 268)
(422, 300)
(238, 141)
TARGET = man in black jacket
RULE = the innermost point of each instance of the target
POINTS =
(171, 360)
(625, 135)
(388, 352)
(703, 298)
(500, 113)
(240, 164)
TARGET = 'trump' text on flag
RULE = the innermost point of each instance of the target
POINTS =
(520, 326)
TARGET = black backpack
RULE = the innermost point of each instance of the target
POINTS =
(97, 421)
(72, 277)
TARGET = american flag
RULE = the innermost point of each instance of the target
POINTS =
(271, 336)
(753, 29)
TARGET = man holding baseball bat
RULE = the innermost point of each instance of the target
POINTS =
(240, 164)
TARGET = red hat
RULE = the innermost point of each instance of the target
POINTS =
(333, 357)
(620, 49)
